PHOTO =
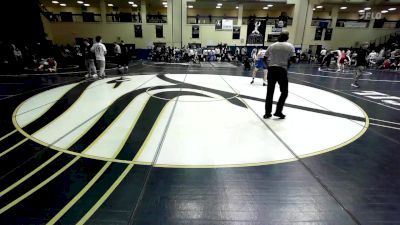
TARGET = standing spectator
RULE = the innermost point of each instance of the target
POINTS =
(362, 54)
(322, 54)
(309, 54)
(243, 52)
(117, 53)
(100, 51)
(139, 16)
(124, 55)
(89, 57)
(279, 55)
(18, 58)
(237, 54)
(159, 17)
(327, 59)
(134, 17)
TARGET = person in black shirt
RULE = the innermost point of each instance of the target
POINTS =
(124, 56)
(327, 59)
(361, 63)
(89, 57)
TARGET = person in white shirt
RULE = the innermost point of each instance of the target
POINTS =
(117, 49)
(322, 54)
(218, 54)
(205, 55)
(117, 53)
(348, 53)
(191, 54)
(254, 54)
(278, 54)
(100, 51)
(372, 57)
(237, 53)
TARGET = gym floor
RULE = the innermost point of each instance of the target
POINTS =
(187, 144)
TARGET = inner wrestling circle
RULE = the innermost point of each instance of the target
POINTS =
(152, 91)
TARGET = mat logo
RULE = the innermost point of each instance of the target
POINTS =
(370, 15)
(392, 100)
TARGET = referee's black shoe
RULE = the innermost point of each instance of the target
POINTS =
(280, 115)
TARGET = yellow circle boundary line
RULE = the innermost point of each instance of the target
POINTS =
(358, 135)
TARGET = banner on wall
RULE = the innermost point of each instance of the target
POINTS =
(159, 31)
(256, 32)
(277, 29)
(356, 24)
(138, 31)
(328, 34)
(227, 24)
(223, 24)
(218, 24)
(318, 33)
(195, 31)
(236, 32)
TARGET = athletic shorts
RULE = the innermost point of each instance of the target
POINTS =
(260, 64)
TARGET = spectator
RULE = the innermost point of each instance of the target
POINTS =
(124, 55)
(89, 58)
(100, 51)
(140, 17)
(117, 53)
(134, 17)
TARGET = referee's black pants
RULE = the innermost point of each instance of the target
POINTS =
(276, 74)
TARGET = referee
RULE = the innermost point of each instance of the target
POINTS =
(278, 55)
